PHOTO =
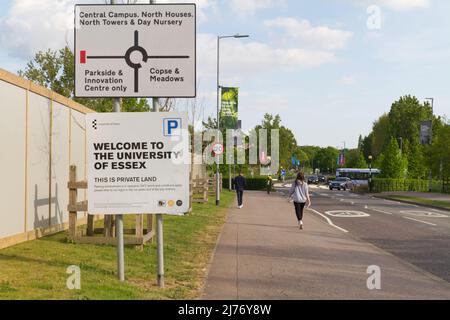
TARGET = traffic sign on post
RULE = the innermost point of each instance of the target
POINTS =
(218, 149)
(135, 50)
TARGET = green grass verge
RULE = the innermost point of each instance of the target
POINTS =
(418, 200)
(37, 269)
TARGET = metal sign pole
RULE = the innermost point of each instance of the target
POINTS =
(119, 219)
(159, 226)
(159, 220)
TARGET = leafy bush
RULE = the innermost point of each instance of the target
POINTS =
(384, 185)
(362, 188)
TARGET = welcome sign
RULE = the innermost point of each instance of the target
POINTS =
(138, 163)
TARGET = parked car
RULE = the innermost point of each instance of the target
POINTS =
(341, 183)
(322, 179)
(313, 180)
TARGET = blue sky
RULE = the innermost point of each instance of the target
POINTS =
(316, 63)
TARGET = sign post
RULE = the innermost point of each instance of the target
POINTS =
(153, 54)
(138, 162)
(119, 218)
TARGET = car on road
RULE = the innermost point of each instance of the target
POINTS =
(322, 179)
(341, 183)
(313, 180)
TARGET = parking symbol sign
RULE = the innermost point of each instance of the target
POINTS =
(172, 127)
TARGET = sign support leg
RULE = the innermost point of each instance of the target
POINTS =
(120, 248)
(159, 230)
(230, 187)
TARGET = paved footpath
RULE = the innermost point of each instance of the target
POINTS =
(261, 254)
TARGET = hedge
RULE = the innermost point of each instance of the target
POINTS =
(384, 185)
(251, 183)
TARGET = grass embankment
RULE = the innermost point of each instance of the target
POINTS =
(418, 200)
(37, 269)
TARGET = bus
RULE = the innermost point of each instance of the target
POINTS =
(358, 176)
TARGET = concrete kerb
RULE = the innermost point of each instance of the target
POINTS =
(411, 202)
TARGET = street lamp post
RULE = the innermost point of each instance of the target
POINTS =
(236, 36)
(370, 173)
(430, 187)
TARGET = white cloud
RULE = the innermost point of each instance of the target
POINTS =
(32, 25)
(243, 56)
(302, 32)
(202, 6)
(249, 7)
(398, 5)
(348, 80)
(36, 25)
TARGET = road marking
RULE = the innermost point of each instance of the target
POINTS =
(431, 224)
(347, 214)
(328, 220)
(381, 211)
(392, 201)
(441, 212)
(427, 214)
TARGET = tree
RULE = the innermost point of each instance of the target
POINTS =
(287, 142)
(355, 159)
(311, 152)
(55, 71)
(288, 146)
(439, 152)
(416, 162)
(301, 155)
(393, 165)
(405, 117)
(210, 123)
(366, 147)
(381, 134)
(325, 159)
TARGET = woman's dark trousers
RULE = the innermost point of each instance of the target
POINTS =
(299, 210)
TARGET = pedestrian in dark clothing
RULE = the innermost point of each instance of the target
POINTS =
(269, 184)
(239, 186)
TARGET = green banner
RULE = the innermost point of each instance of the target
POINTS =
(229, 108)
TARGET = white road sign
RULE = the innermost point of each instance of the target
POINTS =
(138, 163)
(135, 50)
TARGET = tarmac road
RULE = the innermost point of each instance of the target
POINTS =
(261, 253)
(417, 234)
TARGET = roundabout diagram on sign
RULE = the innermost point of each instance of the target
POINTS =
(347, 214)
(425, 214)
(128, 58)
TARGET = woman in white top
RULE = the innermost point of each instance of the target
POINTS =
(300, 194)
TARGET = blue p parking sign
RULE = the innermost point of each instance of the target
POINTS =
(172, 127)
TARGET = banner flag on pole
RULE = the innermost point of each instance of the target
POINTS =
(229, 108)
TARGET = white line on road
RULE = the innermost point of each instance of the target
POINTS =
(431, 224)
(441, 212)
(392, 201)
(381, 211)
(328, 220)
